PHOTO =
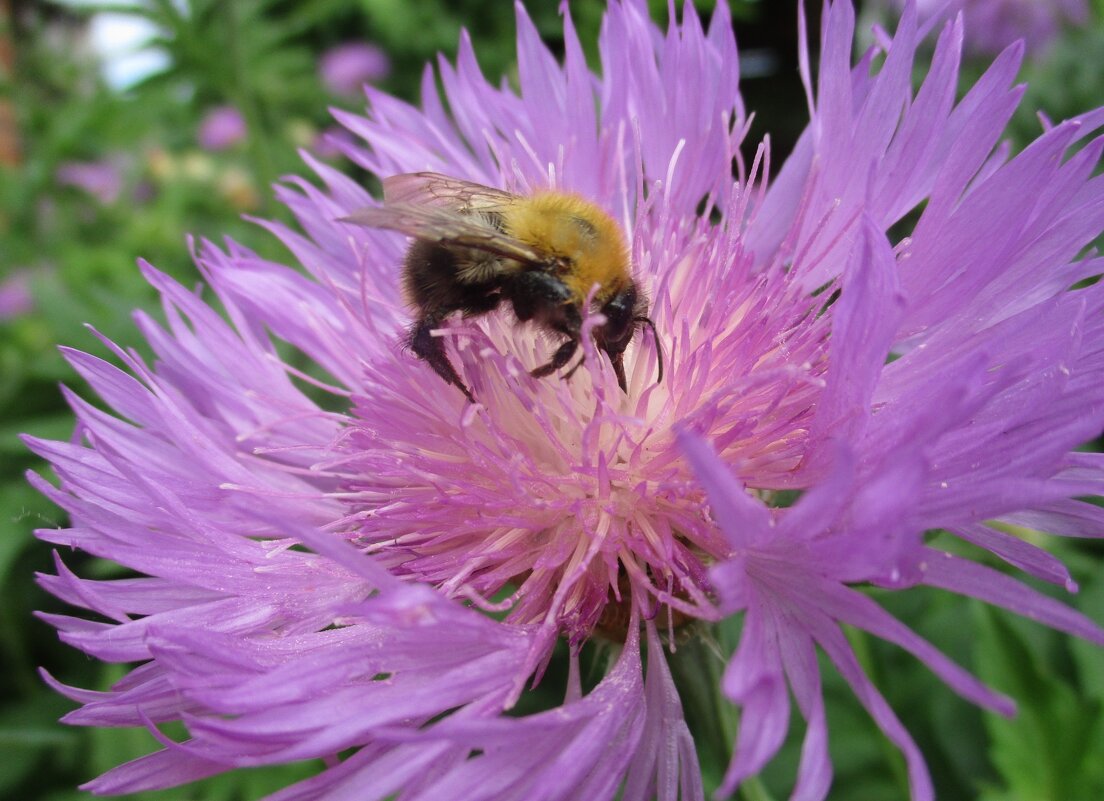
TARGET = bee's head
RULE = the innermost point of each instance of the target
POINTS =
(625, 312)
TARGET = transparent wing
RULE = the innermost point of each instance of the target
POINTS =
(436, 190)
(447, 226)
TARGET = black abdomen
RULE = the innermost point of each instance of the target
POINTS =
(431, 280)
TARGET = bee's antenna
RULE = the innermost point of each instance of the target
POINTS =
(659, 351)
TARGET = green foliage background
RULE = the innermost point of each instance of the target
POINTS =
(77, 255)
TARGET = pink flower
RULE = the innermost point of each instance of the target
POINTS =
(101, 179)
(316, 581)
(221, 128)
(333, 142)
(992, 25)
(16, 299)
(346, 68)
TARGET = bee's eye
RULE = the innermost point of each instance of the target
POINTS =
(619, 312)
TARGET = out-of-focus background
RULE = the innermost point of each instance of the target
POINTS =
(127, 127)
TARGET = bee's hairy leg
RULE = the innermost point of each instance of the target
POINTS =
(561, 357)
(431, 350)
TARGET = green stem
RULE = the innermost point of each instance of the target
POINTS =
(728, 715)
(713, 719)
(860, 643)
(753, 789)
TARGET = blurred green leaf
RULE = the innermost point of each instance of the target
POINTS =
(1051, 750)
(23, 511)
(1089, 657)
(30, 738)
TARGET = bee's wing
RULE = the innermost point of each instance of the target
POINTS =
(447, 226)
(434, 189)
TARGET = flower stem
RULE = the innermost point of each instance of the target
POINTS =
(860, 643)
(753, 789)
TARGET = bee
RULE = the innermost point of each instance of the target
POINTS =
(476, 247)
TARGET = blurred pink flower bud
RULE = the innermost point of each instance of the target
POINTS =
(221, 128)
(101, 179)
(15, 295)
(347, 67)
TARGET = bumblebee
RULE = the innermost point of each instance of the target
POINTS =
(476, 247)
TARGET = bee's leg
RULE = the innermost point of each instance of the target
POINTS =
(561, 357)
(578, 364)
(431, 349)
(618, 361)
